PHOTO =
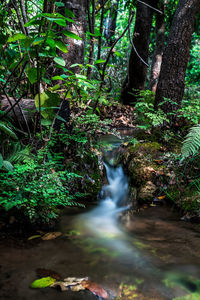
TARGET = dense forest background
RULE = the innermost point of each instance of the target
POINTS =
(67, 68)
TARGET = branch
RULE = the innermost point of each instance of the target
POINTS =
(113, 45)
(135, 48)
(151, 7)
(102, 5)
(109, 54)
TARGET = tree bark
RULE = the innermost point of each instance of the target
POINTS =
(76, 48)
(137, 70)
(91, 23)
(111, 19)
(160, 44)
(176, 55)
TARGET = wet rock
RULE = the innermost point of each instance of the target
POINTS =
(146, 192)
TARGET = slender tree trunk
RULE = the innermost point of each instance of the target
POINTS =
(76, 48)
(176, 55)
(160, 44)
(91, 23)
(110, 22)
(102, 2)
(137, 70)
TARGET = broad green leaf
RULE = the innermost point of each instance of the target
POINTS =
(71, 35)
(99, 61)
(57, 78)
(76, 65)
(60, 118)
(69, 13)
(28, 42)
(61, 22)
(32, 75)
(61, 46)
(118, 54)
(33, 22)
(7, 130)
(59, 60)
(1, 160)
(80, 76)
(59, 4)
(45, 122)
(48, 101)
(51, 42)
(7, 165)
(38, 40)
(17, 37)
(42, 283)
(54, 88)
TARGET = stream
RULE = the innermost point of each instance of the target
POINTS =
(155, 256)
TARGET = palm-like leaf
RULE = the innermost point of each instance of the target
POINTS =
(191, 143)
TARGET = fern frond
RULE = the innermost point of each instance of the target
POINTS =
(191, 144)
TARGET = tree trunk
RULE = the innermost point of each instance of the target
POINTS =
(110, 22)
(137, 70)
(76, 48)
(91, 24)
(176, 55)
(158, 53)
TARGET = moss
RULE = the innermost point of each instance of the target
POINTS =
(147, 147)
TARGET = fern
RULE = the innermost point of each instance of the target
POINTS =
(191, 144)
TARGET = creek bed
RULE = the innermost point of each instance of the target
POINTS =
(165, 263)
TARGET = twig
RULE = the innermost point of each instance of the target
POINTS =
(103, 4)
(151, 7)
(113, 45)
(136, 49)
(19, 77)
(24, 15)
(11, 106)
(18, 16)
(13, 72)
(109, 54)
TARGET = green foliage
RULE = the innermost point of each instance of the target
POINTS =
(146, 115)
(190, 106)
(37, 190)
(193, 70)
(191, 143)
(42, 282)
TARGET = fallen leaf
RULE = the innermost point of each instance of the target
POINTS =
(45, 273)
(63, 287)
(74, 280)
(95, 288)
(77, 288)
(34, 237)
(71, 283)
(158, 161)
(42, 283)
(161, 197)
(51, 235)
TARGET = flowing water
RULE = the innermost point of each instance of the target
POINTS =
(155, 256)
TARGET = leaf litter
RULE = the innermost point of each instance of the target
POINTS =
(53, 279)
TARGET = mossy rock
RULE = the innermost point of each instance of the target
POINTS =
(151, 148)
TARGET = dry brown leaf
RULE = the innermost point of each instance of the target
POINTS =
(51, 235)
(95, 288)
(74, 280)
(45, 273)
(63, 287)
(77, 288)
(161, 197)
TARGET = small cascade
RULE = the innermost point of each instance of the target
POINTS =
(116, 191)
(103, 220)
